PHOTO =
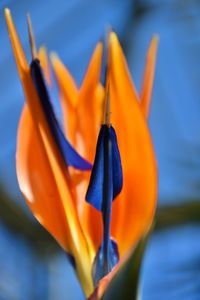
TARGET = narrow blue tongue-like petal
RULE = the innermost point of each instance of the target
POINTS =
(71, 157)
(96, 186)
(105, 184)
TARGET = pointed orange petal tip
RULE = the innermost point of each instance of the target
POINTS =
(154, 40)
(43, 57)
(153, 47)
(99, 47)
(136, 154)
(92, 74)
(112, 38)
(7, 12)
(65, 81)
(17, 48)
(149, 72)
(118, 61)
(56, 61)
(88, 87)
(68, 96)
(54, 57)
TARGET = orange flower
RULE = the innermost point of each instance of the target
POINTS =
(54, 190)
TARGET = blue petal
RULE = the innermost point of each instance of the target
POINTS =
(117, 167)
(105, 184)
(71, 260)
(70, 156)
(103, 265)
(95, 190)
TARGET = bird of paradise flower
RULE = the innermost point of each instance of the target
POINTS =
(54, 178)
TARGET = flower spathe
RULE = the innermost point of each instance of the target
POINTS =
(56, 193)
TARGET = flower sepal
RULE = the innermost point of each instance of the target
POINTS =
(104, 264)
(123, 281)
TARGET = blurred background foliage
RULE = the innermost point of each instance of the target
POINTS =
(31, 264)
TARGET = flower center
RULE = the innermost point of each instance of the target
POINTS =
(105, 184)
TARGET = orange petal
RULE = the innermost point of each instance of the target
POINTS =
(44, 195)
(75, 108)
(89, 117)
(43, 57)
(90, 218)
(133, 210)
(52, 167)
(89, 110)
(17, 48)
(149, 76)
(39, 189)
(68, 96)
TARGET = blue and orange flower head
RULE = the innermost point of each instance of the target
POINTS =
(105, 184)
(97, 215)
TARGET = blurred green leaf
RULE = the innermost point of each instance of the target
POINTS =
(178, 214)
(15, 218)
(126, 282)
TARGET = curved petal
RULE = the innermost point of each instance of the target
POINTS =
(89, 117)
(43, 57)
(68, 153)
(73, 100)
(147, 86)
(68, 97)
(39, 190)
(21, 61)
(89, 105)
(85, 103)
(36, 174)
(52, 167)
(133, 210)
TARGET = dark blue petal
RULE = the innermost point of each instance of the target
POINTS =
(71, 157)
(71, 260)
(95, 192)
(105, 184)
(117, 167)
(103, 265)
